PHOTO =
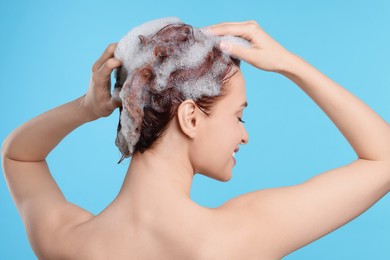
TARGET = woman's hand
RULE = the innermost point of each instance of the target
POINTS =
(265, 53)
(98, 101)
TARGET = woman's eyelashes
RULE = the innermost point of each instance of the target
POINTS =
(239, 119)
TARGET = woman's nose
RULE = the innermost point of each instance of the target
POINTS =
(245, 138)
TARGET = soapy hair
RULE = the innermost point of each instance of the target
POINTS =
(167, 63)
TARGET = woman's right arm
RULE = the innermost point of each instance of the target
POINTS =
(287, 218)
(365, 130)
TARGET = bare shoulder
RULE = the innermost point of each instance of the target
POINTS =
(275, 222)
(241, 230)
(67, 241)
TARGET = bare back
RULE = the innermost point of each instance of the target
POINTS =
(186, 231)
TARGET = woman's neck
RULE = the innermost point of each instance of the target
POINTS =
(154, 174)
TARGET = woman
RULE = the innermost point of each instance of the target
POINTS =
(153, 216)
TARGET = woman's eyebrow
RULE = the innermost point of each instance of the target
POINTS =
(245, 104)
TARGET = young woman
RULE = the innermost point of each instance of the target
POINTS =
(153, 216)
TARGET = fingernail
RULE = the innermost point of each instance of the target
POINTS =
(206, 30)
(224, 45)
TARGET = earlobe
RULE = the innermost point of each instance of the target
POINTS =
(187, 115)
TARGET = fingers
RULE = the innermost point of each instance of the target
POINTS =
(103, 75)
(108, 67)
(238, 51)
(242, 29)
(233, 23)
(107, 54)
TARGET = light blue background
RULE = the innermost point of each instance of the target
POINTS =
(47, 50)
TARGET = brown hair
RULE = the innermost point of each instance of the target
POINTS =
(162, 106)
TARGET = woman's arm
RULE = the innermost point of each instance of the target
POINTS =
(365, 130)
(34, 140)
(45, 212)
(285, 219)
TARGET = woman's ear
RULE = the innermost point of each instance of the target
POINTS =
(188, 118)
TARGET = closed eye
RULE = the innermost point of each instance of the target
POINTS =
(239, 119)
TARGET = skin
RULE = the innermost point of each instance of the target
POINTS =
(153, 216)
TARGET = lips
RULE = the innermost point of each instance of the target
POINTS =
(235, 151)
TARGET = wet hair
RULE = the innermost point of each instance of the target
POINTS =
(170, 69)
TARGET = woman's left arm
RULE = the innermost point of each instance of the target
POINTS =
(47, 216)
(33, 141)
